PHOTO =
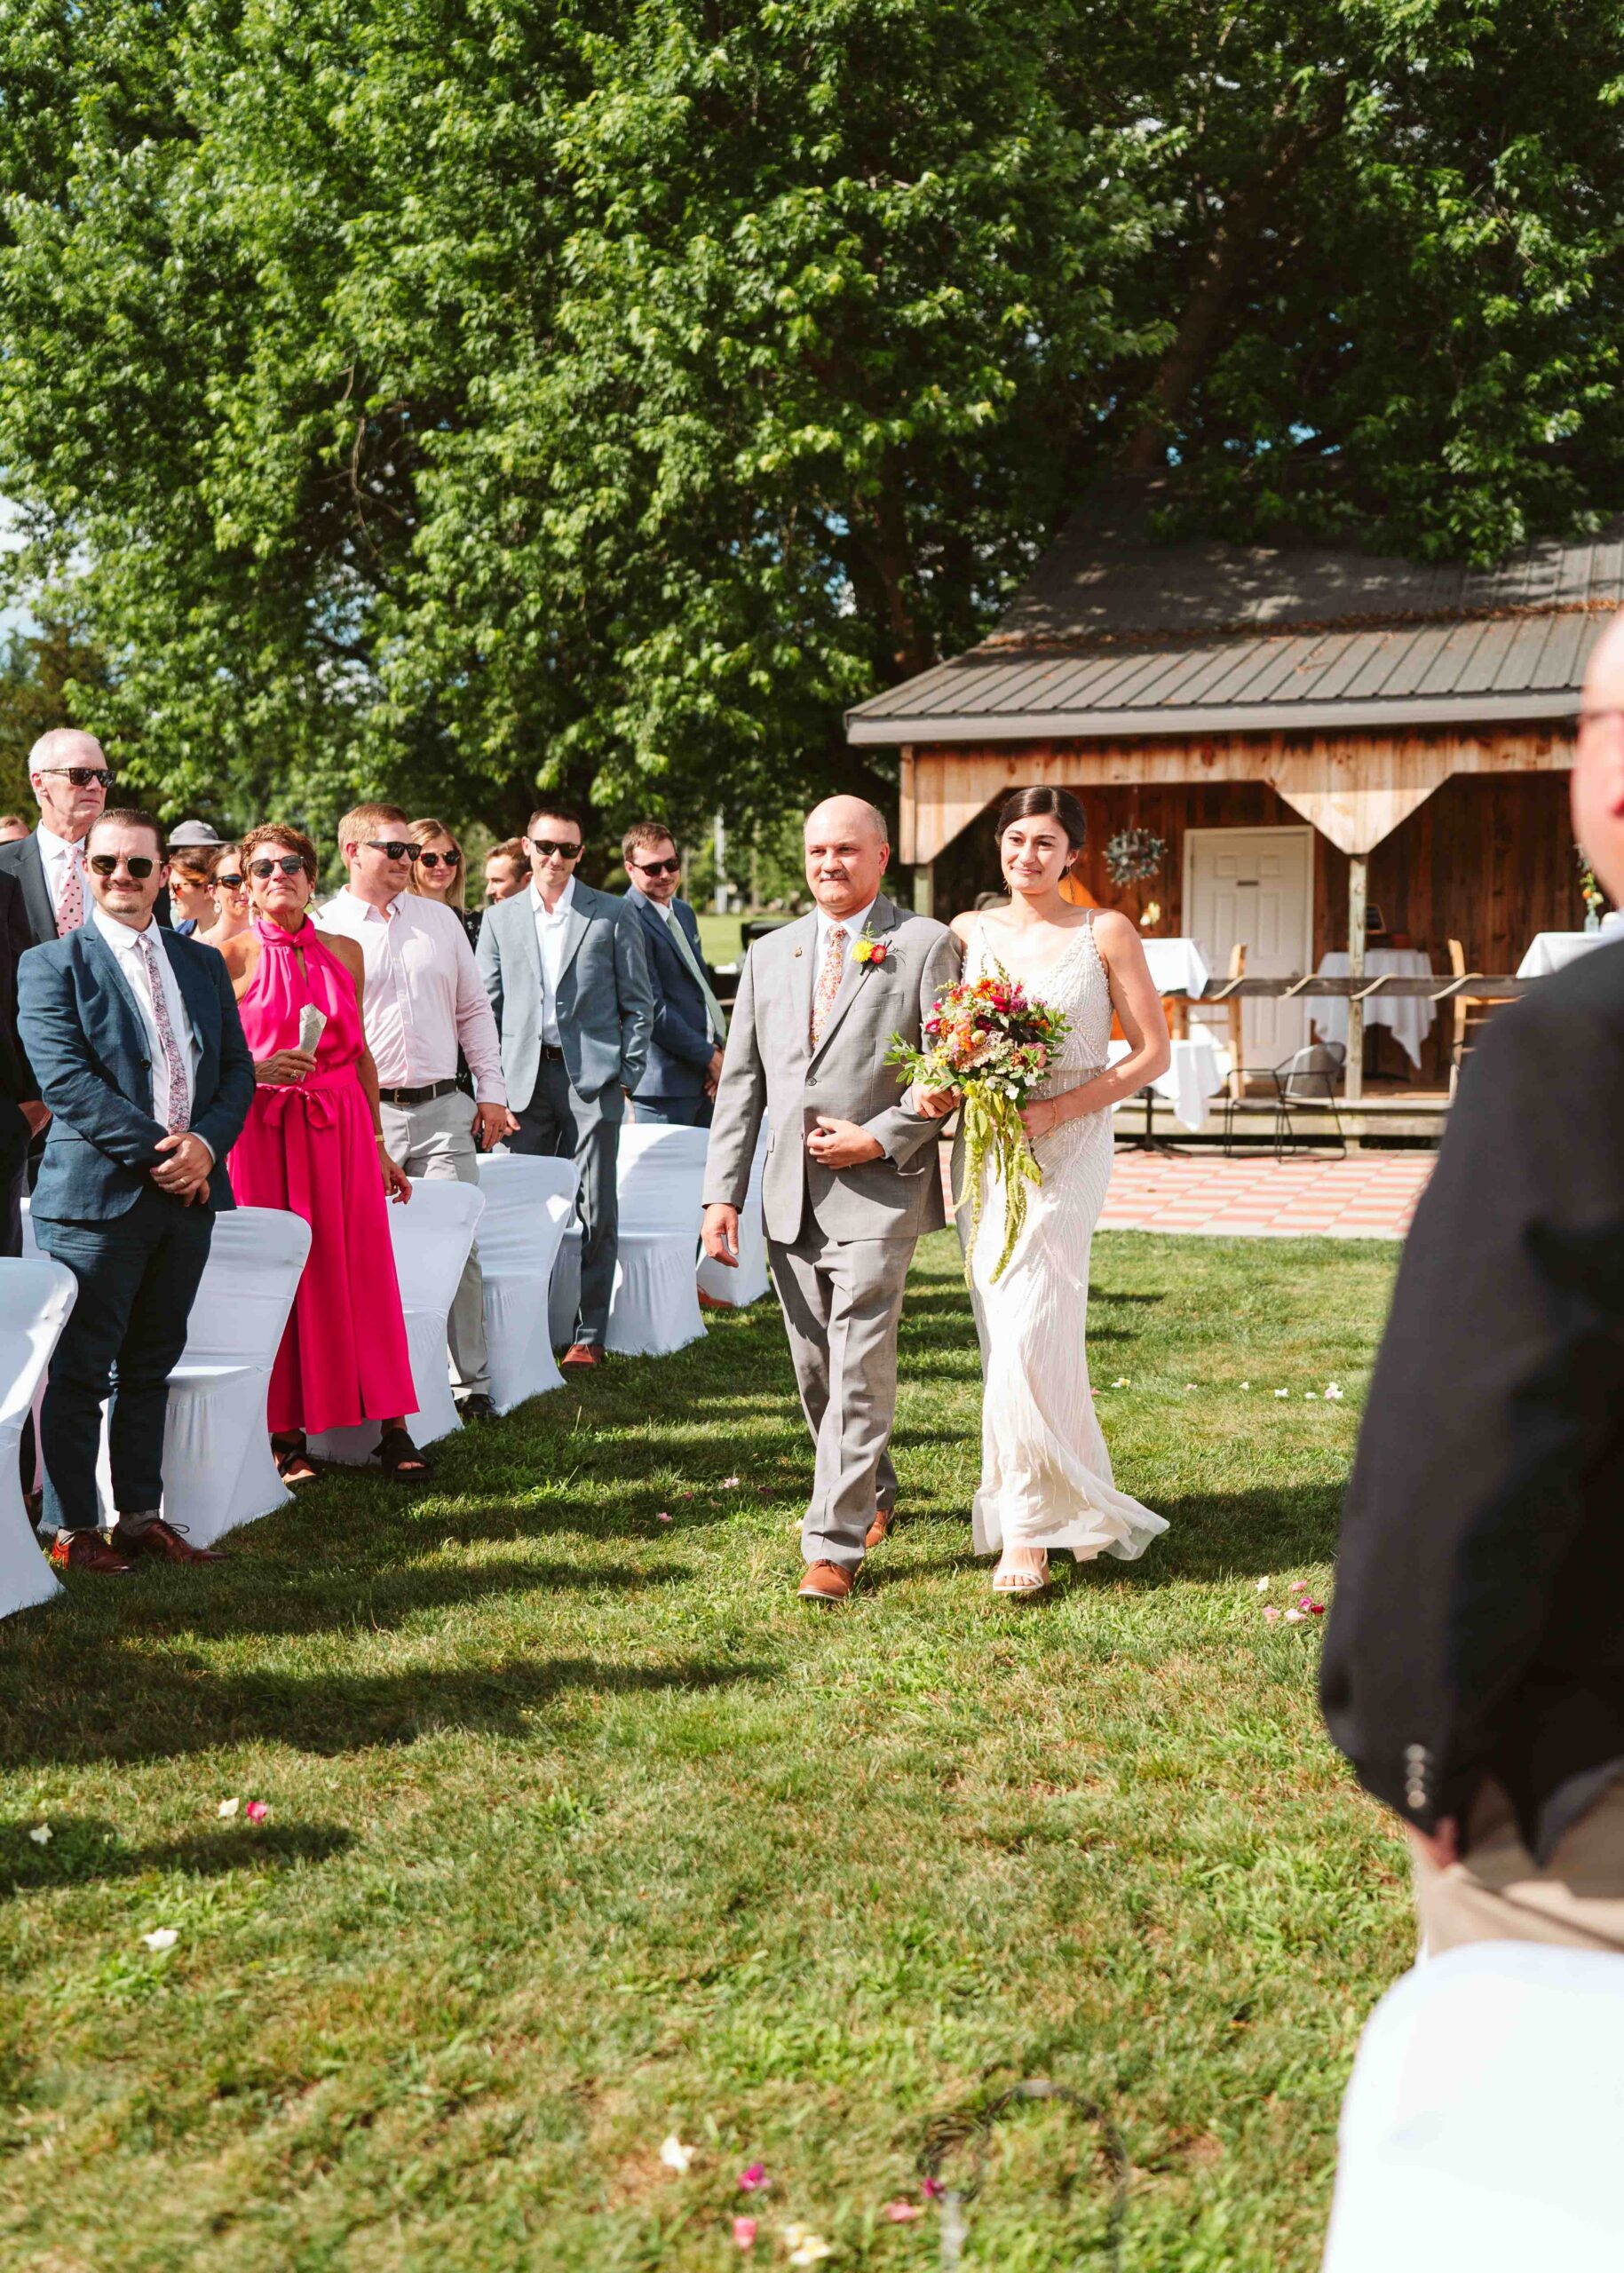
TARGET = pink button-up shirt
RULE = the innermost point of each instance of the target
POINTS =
(424, 994)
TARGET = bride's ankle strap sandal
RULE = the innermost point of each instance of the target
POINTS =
(1012, 1580)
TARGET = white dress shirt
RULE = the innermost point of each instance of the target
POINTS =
(854, 925)
(54, 854)
(126, 945)
(550, 928)
(424, 994)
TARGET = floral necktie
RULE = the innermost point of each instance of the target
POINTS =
(829, 981)
(70, 897)
(169, 1041)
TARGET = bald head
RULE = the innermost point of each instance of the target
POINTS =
(1597, 787)
(846, 852)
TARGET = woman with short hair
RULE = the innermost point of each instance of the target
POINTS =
(313, 1143)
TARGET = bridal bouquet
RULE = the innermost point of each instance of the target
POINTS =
(988, 1038)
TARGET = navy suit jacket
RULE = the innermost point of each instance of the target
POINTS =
(87, 1044)
(680, 1052)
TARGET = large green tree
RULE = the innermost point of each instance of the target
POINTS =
(448, 395)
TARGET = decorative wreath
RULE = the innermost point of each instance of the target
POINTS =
(1132, 854)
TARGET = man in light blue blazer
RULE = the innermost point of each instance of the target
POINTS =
(567, 977)
(136, 1044)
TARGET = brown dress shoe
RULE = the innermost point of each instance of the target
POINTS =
(583, 1353)
(162, 1539)
(827, 1582)
(87, 1550)
(879, 1530)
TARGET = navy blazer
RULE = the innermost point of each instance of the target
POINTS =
(87, 1044)
(679, 1055)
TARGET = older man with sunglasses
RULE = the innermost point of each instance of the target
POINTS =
(568, 979)
(423, 1002)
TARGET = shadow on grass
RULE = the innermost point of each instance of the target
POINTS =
(316, 1603)
(1238, 1534)
(84, 1851)
(130, 1706)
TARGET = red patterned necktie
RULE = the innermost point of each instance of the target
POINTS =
(169, 1041)
(70, 898)
(828, 979)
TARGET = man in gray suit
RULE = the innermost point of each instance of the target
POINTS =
(852, 1177)
(565, 972)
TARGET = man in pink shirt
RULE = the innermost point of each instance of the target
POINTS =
(424, 1001)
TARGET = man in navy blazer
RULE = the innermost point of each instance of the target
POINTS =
(135, 1040)
(685, 1055)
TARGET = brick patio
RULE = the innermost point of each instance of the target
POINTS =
(1369, 1196)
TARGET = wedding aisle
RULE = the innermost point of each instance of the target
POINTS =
(517, 1875)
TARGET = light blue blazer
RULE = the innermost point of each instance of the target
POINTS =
(605, 1003)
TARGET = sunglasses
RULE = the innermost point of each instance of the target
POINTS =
(393, 849)
(227, 884)
(660, 867)
(433, 860)
(543, 847)
(81, 776)
(289, 864)
(107, 864)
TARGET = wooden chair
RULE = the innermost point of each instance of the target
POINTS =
(1470, 1010)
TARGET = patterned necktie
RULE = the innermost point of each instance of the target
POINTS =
(829, 981)
(169, 1041)
(70, 898)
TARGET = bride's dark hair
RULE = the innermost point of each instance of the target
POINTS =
(1046, 805)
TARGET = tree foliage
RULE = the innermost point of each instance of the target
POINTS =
(446, 395)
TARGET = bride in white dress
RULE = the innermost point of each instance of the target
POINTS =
(1046, 1481)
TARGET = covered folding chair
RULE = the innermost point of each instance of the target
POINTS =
(654, 1307)
(432, 1234)
(529, 1202)
(749, 1281)
(35, 1298)
(1481, 2124)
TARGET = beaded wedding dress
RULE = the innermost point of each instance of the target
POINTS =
(1045, 1473)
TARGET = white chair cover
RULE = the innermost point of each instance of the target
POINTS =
(1482, 2122)
(654, 1307)
(750, 1282)
(529, 1201)
(432, 1234)
(36, 1297)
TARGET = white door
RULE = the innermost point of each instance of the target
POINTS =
(1255, 887)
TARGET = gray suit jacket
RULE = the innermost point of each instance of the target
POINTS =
(606, 1005)
(770, 1068)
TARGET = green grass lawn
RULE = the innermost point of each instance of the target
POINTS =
(582, 1832)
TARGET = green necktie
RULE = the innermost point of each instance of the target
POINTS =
(713, 1008)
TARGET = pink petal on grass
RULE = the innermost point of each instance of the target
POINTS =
(255, 1810)
(753, 2177)
(1294, 1618)
(1271, 1612)
(903, 2213)
(931, 2189)
(1314, 1609)
(744, 2233)
(662, 1517)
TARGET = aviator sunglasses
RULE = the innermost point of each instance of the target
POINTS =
(106, 863)
(433, 860)
(660, 867)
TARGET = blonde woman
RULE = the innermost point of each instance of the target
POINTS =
(228, 890)
(439, 872)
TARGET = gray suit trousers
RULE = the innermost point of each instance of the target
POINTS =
(435, 1138)
(840, 1299)
(560, 1122)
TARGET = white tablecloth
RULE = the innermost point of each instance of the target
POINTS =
(1553, 951)
(1176, 966)
(1198, 1071)
(1410, 1016)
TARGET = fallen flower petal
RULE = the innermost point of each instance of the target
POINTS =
(662, 1517)
(162, 1937)
(730, 1484)
(1283, 1392)
(1331, 1389)
(931, 2189)
(1190, 1384)
(41, 1834)
(1271, 1612)
(1245, 1385)
(744, 2233)
(1311, 1397)
(903, 2213)
(1294, 1618)
(752, 2177)
(674, 2155)
(255, 1810)
(806, 2248)
(1119, 1383)
(1263, 1586)
(228, 1807)
(1314, 1609)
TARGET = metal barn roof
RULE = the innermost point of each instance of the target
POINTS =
(1116, 634)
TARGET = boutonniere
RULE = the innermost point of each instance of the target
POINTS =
(868, 949)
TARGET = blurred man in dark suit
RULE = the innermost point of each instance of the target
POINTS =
(684, 1058)
(1474, 1670)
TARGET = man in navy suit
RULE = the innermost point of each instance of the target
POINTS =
(135, 1040)
(684, 1058)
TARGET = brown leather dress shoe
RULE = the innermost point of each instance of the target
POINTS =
(827, 1582)
(162, 1538)
(879, 1530)
(87, 1550)
(583, 1353)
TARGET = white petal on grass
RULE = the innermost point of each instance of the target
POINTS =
(228, 1807)
(41, 1834)
(1294, 1618)
(674, 2155)
(1283, 1392)
(162, 1937)
(1263, 1586)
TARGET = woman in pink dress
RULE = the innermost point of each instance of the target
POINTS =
(312, 1144)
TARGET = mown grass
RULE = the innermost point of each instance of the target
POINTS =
(582, 1832)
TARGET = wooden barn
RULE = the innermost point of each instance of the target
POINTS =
(1304, 727)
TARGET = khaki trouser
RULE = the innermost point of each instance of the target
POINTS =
(435, 1138)
(1499, 1893)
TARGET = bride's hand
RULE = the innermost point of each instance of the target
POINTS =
(934, 1104)
(1041, 1119)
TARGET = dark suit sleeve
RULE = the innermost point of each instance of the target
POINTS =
(637, 996)
(1495, 1397)
(16, 1076)
(71, 1082)
(221, 1123)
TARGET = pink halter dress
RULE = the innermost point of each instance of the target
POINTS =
(309, 1146)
